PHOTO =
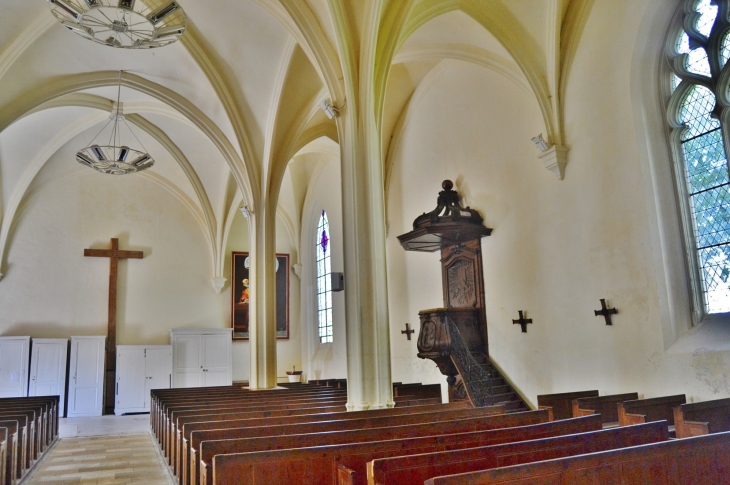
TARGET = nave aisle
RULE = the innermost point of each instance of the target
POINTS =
(101, 460)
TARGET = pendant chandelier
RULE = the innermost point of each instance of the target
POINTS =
(127, 24)
(115, 158)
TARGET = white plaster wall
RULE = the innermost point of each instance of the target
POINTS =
(557, 247)
(323, 361)
(52, 290)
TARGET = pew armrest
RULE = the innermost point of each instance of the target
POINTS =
(550, 412)
(345, 476)
(627, 419)
(578, 412)
(687, 429)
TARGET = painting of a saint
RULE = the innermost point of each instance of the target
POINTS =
(241, 295)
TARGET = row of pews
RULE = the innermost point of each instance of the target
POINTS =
(303, 434)
(28, 427)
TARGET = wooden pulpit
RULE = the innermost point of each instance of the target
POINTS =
(455, 336)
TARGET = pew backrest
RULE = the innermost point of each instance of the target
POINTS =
(702, 460)
(645, 410)
(606, 406)
(562, 403)
(699, 418)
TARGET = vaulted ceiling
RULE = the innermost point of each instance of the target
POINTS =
(227, 108)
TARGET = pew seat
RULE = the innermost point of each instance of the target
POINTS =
(701, 418)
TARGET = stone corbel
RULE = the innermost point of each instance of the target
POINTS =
(298, 270)
(553, 158)
(218, 284)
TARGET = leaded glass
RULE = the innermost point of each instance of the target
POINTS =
(725, 51)
(708, 14)
(705, 161)
(698, 63)
(695, 112)
(324, 288)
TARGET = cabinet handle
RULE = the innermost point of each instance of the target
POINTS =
(117, 388)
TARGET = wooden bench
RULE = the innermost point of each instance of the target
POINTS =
(606, 406)
(11, 450)
(417, 390)
(293, 404)
(172, 411)
(703, 460)
(163, 398)
(320, 464)
(645, 410)
(701, 418)
(216, 421)
(562, 403)
(415, 469)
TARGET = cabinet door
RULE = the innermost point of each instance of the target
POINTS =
(86, 379)
(158, 371)
(48, 369)
(188, 366)
(130, 385)
(14, 353)
(216, 358)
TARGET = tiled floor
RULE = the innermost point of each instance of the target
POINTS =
(90, 459)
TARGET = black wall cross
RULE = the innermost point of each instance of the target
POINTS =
(606, 312)
(522, 322)
(408, 331)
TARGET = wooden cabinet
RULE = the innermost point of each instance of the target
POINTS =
(86, 377)
(14, 357)
(140, 368)
(201, 357)
(48, 361)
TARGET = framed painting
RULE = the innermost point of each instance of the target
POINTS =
(240, 296)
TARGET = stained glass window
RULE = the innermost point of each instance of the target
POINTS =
(704, 48)
(324, 282)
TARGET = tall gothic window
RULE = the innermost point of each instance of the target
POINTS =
(698, 113)
(324, 283)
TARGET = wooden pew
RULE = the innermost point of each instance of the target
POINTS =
(415, 469)
(701, 418)
(262, 404)
(645, 410)
(562, 403)
(12, 447)
(163, 398)
(171, 432)
(417, 390)
(703, 460)
(216, 421)
(606, 406)
(226, 440)
(319, 464)
(4, 434)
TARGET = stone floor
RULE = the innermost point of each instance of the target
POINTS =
(106, 450)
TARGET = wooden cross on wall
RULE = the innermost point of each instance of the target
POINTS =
(606, 312)
(522, 322)
(408, 331)
(114, 254)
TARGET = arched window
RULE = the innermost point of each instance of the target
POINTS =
(324, 283)
(697, 112)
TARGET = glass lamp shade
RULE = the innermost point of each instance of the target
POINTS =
(127, 24)
(114, 160)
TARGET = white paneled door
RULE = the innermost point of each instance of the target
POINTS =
(48, 360)
(158, 370)
(14, 357)
(86, 377)
(215, 360)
